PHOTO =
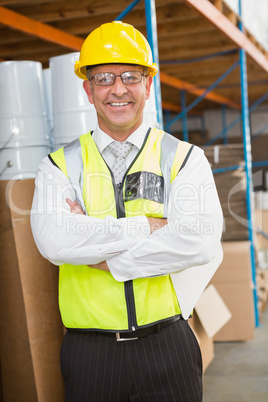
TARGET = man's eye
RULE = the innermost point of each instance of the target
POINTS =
(130, 78)
(104, 79)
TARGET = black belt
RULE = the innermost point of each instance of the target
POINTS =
(129, 336)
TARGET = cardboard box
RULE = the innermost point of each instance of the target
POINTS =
(222, 156)
(205, 342)
(262, 290)
(209, 316)
(231, 187)
(261, 223)
(233, 282)
(31, 331)
(212, 311)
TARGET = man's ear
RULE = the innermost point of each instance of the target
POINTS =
(88, 91)
(149, 81)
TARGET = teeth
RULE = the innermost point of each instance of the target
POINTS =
(119, 103)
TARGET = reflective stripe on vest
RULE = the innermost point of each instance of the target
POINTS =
(90, 298)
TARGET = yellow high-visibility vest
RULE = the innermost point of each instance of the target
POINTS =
(90, 298)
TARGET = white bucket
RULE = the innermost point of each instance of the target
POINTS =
(49, 105)
(21, 163)
(23, 114)
(73, 115)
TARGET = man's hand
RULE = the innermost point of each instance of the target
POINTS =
(156, 223)
(101, 265)
(75, 207)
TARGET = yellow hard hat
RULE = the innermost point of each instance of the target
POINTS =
(115, 42)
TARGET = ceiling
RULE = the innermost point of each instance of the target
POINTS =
(198, 42)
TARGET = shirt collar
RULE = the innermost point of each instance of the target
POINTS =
(102, 139)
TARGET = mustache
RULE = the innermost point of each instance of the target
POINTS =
(119, 99)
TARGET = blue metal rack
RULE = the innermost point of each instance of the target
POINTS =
(197, 100)
(248, 163)
(237, 120)
(152, 39)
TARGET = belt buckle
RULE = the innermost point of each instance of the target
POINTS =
(119, 339)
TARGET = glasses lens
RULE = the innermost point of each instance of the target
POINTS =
(131, 77)
(104, 79)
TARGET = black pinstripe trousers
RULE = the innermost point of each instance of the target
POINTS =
(164, 366)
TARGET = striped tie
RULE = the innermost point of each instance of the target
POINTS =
(120, 151)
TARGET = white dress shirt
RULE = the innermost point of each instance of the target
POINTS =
(190, 239)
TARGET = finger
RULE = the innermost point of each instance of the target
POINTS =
(78, 210)
(70, 202)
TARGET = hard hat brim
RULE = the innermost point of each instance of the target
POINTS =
(81, 71)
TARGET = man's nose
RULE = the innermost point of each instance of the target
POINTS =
(119, 88)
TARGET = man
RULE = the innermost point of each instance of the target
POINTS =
(129, 213)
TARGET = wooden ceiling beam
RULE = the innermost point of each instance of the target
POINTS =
(57, 11)
(14, 2)
(82, 26)
(187, 27)
(8, 36)
(71, 10)
(214, 16)
(199, 69)
(45, 11)
(35, 47)
(165, 14)
(203, 39)
(90, 20)
(41, 57)
(189, 53)
(186, 86)
(38, 29)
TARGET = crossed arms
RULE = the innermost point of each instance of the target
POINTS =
(130, 247)
(154, 223)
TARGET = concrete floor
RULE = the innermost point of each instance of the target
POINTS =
(239, 370)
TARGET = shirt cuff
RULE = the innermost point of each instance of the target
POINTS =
(131, 231)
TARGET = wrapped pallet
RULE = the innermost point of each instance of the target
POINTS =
(227, 163)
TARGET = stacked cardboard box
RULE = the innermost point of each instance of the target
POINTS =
(233, 279)
(31, 331)
(262, 290)
(261, 225)
(231, 186)
(234, 284)
(259, 153)
(209, 316)
(261, 245)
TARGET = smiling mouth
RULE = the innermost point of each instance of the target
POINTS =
(119, 104)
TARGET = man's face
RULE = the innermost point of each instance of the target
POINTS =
(119, 106)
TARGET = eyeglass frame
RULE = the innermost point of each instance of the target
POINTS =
(118, 75)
